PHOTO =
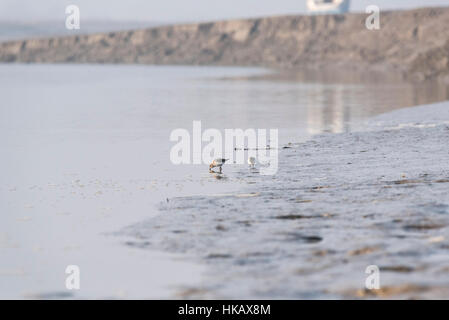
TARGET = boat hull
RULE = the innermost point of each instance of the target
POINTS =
(335, 7)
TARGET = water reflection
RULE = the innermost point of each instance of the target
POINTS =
(317, 101)
(334, 108)
(329, 113)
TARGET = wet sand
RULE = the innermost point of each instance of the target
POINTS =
(339, 203)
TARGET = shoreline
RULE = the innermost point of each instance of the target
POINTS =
(95, 200)
(345, 203)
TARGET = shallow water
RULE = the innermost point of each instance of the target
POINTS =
(86, 153)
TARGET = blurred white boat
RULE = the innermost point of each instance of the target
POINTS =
(328, 6)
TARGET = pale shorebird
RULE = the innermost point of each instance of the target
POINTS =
(252, 162)
(217, 163)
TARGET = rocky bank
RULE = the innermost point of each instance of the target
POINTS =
(413, 43)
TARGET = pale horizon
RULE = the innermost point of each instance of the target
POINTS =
(195, 10)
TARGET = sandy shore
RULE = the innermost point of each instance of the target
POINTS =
(339, 203)
(78, 171)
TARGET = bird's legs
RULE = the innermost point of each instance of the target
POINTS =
(211, 170)
(220, 169)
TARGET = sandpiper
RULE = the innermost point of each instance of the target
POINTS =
(217, 163)
(252, 162)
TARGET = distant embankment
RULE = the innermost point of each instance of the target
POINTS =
(414, 43)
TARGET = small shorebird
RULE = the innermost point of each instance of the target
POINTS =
(252, 162)
(217, 163)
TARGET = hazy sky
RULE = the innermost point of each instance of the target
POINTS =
(176, 10)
